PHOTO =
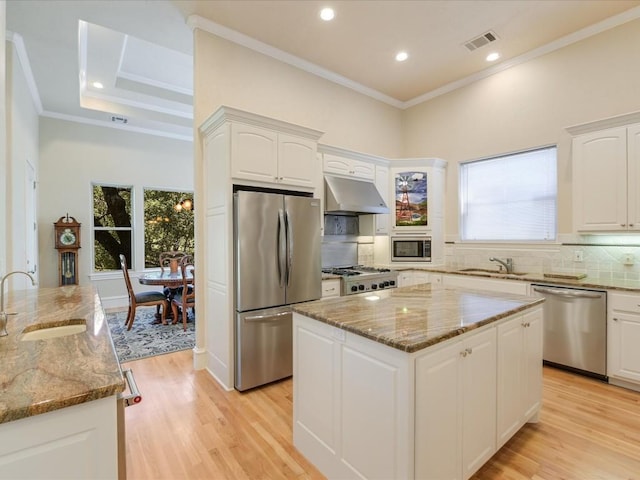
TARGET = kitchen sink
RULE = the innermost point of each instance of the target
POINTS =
(47, 333)
(492, 272)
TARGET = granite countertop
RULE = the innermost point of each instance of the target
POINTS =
(44, 375)
(586, 282)
(416, 317)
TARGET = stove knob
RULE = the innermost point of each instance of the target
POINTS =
(392, 282)
(374, 286)
(386, 283)
(381, 285)
(354, 288)
(360, 287)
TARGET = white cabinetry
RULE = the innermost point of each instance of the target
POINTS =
(606, 166)
(350, 398)
(362, 409)
(240, 148)
(456, 385)
(73, 442)
(382, 184)
(623, 338)
(264, 155)
(349, 167)
(331, 288)
(407, 278)
(519, 373)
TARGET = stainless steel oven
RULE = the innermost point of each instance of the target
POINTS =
(411, 249)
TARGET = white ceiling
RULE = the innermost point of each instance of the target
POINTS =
(141, 50)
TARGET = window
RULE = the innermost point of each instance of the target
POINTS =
(168, 224)
(511, 197)
(112, 229)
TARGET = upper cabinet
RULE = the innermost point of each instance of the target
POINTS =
(265, 151)
(350, 167)
(417, 194)
(605, 184)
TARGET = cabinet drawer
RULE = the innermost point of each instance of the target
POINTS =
(331, 288)
(624, 302)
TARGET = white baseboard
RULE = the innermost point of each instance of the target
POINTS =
(109, 303)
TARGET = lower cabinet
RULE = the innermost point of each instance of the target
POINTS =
(365, 410)
(519, 373)
(73, 442)
(623, 338)
(350, 399)
(407, 278)
(331, 288)
(491, 284)
(455, 408)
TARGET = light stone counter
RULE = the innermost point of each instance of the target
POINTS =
(416, 317)
(45, 375)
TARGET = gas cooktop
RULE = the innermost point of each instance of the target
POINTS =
(359, 279)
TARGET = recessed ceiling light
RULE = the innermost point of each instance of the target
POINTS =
(402, 56)
(97, 85)
(492, 57)
(327, 14)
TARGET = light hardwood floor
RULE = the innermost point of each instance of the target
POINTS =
(187, 427)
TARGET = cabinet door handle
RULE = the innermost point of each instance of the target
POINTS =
(469, 351)
(623, 224)
(615, 319)
(631, 224)
(463, 353)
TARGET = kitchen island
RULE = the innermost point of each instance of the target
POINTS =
(415, 382)
(58, 406)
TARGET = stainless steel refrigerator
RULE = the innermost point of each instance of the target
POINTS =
(277, 263)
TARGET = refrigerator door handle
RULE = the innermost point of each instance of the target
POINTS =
(289, 248)
(282, 247)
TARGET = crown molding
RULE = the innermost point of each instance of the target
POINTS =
(23, 58)
(117, 126)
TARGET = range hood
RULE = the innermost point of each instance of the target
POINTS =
(345, 196)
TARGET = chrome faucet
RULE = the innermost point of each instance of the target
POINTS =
(507, 264)
(3, 314)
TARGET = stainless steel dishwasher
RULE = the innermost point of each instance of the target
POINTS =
(575, 329)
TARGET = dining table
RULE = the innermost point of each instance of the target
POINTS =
(168, 279)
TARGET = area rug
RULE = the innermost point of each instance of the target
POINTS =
(146, 339)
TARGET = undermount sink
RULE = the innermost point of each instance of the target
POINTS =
(491, 272)
(47, 333)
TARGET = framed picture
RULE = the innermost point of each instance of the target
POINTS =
(410, 193)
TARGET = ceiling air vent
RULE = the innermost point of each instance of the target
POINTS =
(481, 41)
(118, 119)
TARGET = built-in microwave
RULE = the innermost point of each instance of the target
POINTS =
(411, 249)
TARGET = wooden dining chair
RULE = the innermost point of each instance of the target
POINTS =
(142, 299)
(186, 297)
(166, 257)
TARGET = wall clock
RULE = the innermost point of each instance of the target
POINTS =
(67, 242)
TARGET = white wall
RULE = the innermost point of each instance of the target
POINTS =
(528, 106)
(22, 154)
(4, 204)
(74, 155)
(229, 74)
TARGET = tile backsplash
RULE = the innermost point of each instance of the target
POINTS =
(599, 261)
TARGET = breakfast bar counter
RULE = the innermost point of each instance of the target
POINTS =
(44, 375)
(59, 400)
(414, 382)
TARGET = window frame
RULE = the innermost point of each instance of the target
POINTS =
(187, 193)
(130, 261)
(462, 204)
